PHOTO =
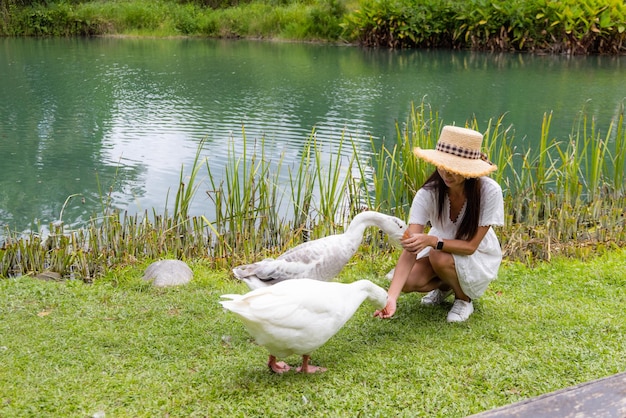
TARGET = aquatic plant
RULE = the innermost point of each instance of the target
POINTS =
(567, 197)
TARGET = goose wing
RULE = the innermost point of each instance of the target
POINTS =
(321, 259)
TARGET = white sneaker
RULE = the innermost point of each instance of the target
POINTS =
(435, 297)
(460, 311)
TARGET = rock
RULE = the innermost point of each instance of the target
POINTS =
(168, 273)
(49, 275)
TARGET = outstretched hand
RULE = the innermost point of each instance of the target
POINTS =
(387, 311)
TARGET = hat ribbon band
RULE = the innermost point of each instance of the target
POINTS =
(461, 151)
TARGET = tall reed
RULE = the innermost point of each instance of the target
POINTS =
(301, 186)
(566, 197)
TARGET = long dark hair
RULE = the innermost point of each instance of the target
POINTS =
(471, 188)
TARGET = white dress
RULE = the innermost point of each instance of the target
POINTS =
(475, 271)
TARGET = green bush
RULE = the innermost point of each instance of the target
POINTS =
(409, 24)
(579, 25)
(55, 20)
(325, 18)
(186, 20)
(573, 26)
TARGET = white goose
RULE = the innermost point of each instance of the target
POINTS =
(299, 316)
(320, 259)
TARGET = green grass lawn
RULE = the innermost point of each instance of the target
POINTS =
(121, 348)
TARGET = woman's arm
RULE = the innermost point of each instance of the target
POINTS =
(418, 241)
(452, 246)
(401, 273)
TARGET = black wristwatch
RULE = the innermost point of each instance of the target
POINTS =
(439, 244)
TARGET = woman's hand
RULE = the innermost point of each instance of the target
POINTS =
(387, 311)
(415, 243)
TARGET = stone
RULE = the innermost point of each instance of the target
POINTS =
(168, 273)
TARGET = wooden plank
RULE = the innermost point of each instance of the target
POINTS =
(602, 398)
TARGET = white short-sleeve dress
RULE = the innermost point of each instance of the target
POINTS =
(475, 271)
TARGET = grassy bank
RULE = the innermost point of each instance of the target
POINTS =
(121, 348)
(571, 26)
(313, 20)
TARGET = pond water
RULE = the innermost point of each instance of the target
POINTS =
(93, 118)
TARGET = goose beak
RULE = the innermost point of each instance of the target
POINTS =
(395, 240)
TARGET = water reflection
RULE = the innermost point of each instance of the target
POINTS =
(119, 117)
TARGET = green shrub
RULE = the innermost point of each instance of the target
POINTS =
(324, 19)
(573, 26)
(400, 24)
(582, 25)
(55, 20)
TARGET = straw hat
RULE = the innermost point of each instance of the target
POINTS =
(458, 151)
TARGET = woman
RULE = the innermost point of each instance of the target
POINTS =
(460, 254)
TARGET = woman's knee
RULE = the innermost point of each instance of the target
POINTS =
(441, 262)
(420, 276)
